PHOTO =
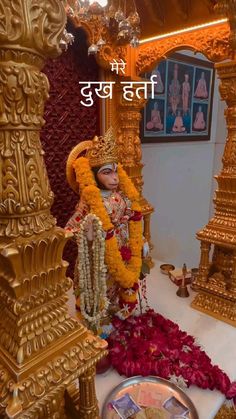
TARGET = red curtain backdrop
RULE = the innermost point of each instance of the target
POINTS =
(67, 123)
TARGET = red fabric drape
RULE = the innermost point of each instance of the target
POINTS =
(67, 123)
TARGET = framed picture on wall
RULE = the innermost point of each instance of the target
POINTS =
(181, 107)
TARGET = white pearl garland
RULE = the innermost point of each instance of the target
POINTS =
(91, 270)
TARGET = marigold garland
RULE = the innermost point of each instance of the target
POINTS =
(127, 186)
(125, 274)
(84, 175)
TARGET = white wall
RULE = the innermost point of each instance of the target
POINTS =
(178, 182)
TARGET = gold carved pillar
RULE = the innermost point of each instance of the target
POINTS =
(42, 349)
(233, 276)
(125, 115)
(204, 261)
(88, 409)
(217, 284)
(130, 152)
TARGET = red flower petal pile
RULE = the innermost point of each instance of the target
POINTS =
(152, 345)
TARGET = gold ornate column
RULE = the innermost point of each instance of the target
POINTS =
(233, 276)
(126, 116)
(217, 295)
(88, 410)
(130, 152)
(204, 262)
(42, 349)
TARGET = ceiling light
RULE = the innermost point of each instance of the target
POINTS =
(122, 28)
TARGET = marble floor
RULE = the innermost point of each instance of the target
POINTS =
(215, 337)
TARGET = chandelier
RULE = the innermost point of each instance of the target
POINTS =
(118, 19)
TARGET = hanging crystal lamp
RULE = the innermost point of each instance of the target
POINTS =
(123, 28)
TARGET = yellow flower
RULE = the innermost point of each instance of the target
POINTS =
(125, 274)
(126, 185)
(84, 174)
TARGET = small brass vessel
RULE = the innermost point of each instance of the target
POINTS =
(166, 268)
(183, 289)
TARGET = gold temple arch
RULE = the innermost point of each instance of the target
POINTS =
(201, 40)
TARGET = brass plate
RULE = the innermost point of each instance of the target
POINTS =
(164, 388)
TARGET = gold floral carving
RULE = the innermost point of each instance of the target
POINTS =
(24, 207)
(226, 412)
(217, 278)
(228, 8)
(42, 349)
(96, 30)
(37, 25)
(220, 308)
(213, 42)
(56, 373)
(128, 132)
(23, 93)
(109, 53)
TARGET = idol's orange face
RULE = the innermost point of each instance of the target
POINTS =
(108, 178)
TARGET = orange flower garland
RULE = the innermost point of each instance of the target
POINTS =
(125, 274)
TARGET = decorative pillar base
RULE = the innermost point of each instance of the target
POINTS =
(215, 306)
(72, 399)
(226, 412)
(88, 407)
